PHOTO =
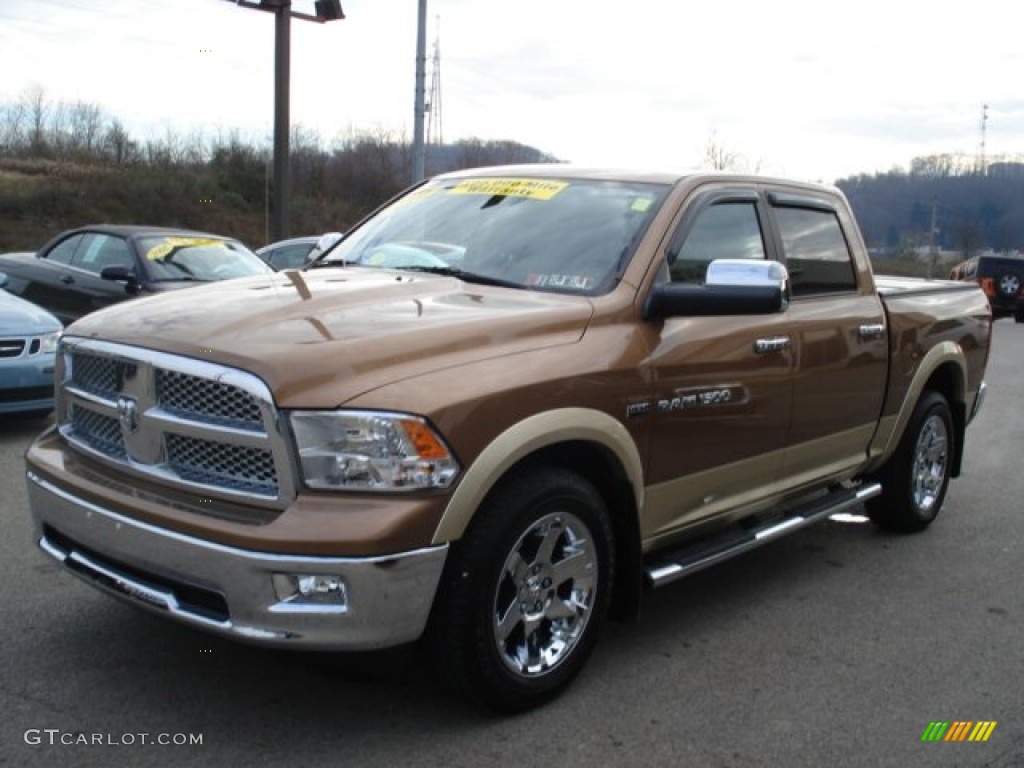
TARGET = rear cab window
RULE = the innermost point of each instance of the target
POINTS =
(817, 254)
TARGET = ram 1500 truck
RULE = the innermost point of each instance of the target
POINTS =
(503, 405)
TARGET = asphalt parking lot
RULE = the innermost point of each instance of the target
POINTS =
(836, 646)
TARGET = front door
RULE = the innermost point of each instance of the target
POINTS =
(721, 395)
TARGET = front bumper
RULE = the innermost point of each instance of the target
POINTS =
(27, 384)
(231, 591)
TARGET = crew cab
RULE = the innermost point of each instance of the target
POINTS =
(507, 403)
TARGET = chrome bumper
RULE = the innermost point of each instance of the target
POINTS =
(386, 600)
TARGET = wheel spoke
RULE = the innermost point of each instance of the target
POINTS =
(516, 567)
(530, 653)
(577, 567)
(507, 624)
(566, 608)
(552, 535)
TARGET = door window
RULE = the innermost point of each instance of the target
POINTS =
(723, 231)
(63, 251)
(99, 251)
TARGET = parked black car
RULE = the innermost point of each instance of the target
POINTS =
(85, 269)
(1002, 279)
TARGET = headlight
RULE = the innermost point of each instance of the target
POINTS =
(48, 344)
(371, 451)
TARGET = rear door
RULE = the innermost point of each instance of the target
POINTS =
(839, 333)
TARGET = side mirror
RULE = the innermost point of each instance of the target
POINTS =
(731, 287)
(124, 275)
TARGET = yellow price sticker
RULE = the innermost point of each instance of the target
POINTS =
(535, 189)
(170, 244)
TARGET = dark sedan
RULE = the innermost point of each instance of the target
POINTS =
(85, 269)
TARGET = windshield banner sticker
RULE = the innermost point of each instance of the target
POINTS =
(170, 244)
(535, 189)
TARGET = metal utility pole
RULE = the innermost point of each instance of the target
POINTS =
(435, 129)
(933, 250)
(419, 151)
(982, 162)
(326, 10)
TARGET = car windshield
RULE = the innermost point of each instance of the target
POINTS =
(170, 257)
(560, 235)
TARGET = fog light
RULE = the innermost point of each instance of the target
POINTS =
(312, 592)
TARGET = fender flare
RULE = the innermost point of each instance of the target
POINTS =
(888, 436)
(527, 437)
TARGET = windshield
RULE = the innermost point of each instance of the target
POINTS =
(198, 258)
(567, 236)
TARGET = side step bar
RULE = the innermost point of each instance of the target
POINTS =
(666, 567)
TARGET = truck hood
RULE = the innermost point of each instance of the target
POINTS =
(322, 337)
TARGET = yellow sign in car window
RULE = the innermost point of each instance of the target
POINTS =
(535, 189)
(170, 244)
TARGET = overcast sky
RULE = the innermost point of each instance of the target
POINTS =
(804, 88)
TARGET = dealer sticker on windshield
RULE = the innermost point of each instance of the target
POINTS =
(535, 189)
(170, 244)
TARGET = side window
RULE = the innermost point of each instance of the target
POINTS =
(722, 231)
(290, 256)
(63, 251)
(99, 251)
(817, 256)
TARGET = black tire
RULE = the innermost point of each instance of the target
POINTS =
(525, 591)
(1008, 284)
(915, 480)
(1018, 316)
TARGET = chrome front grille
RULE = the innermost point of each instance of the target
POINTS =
(95, 374)
(222, 464)
(220, 403)
(99, 432)
(189, 423)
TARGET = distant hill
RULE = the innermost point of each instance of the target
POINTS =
(972, 211)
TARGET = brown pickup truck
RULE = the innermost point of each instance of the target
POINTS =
(503, 405)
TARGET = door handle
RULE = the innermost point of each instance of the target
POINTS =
(67, 279)
(871, 331)
(772, 344)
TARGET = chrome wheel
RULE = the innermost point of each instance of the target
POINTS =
(525, 591)
(931, 463)
(916, 476)
(545, 594)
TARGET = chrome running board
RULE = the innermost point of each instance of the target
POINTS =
(665, 567)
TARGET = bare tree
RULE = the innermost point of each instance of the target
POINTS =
(117, 144)
(37, 111)
(85, 122)
(12, 127)
(719, 157)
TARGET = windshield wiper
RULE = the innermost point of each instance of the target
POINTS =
(469, 277)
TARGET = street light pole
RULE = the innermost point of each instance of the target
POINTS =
(282, 75)
(326, 10)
